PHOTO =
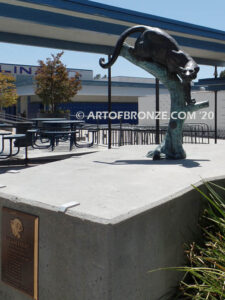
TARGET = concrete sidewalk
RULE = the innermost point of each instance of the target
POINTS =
(37, 156)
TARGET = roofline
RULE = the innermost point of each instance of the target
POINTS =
(99, 83)
(83, 26)
(67, 45)
(108, 11)
(36, 66)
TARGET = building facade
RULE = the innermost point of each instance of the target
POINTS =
(91, 99)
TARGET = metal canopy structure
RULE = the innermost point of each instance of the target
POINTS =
(212, 84)
(92, 27)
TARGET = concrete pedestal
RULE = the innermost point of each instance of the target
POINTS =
(134, 215)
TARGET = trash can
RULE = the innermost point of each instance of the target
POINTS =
(22, 127)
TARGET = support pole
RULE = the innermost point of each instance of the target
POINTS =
(215, 108)
(215, 117)
(109, 105)
(157, 110)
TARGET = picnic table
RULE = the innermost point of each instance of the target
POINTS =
(63, 123)
(5, 126)
(62, 128)
(38, 121)
(13, 137)
(20, 139)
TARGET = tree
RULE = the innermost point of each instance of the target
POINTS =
(222, 74)
(97, 76)
(53, 83)
(8, 95)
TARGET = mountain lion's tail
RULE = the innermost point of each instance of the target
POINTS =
(119, 44)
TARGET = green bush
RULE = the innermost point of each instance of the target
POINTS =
(222, 74)
(205, 276)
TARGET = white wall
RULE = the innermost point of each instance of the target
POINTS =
(202, 116)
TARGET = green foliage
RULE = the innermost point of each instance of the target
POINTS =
(53, 83)
(205, 277)
(222, 74)
(8, 95)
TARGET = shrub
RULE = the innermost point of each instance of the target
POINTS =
(205, 276)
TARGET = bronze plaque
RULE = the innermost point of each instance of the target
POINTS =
(20, 251)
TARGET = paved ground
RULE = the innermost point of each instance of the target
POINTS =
(112, 184)
(41, 156)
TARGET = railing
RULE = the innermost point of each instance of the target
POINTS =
(125, 134)
(8, 118)
(220, 134)
(196, 133)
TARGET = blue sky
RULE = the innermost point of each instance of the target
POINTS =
(202, 12)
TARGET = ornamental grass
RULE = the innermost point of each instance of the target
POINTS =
(205, 276)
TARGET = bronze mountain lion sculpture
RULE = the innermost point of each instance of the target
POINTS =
(155, 45)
